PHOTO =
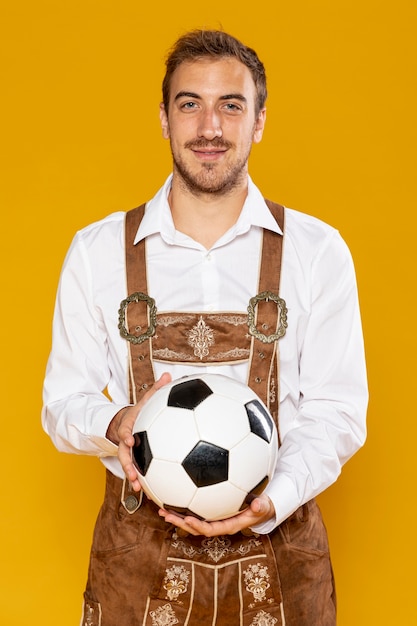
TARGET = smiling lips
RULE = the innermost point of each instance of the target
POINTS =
(211, 150)
(208, 155)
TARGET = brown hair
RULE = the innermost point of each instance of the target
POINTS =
(217, 44)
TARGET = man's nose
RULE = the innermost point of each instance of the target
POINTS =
(210, 125)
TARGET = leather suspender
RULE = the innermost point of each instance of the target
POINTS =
(141, 374)
(137, 315)
(263, 372)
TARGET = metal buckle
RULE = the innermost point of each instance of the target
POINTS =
(138, 296)
(280, 332)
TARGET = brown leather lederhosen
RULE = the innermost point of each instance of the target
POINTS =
(141, 571)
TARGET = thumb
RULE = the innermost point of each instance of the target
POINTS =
(262, 506)
(257, 506)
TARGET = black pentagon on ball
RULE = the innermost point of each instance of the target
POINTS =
(207, 464)
(261, 423)
(141, 452)
(189, 394)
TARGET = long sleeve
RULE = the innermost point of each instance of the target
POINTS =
(326, 426)
(76, 410)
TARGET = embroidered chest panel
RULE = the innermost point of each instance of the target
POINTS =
(201, 338)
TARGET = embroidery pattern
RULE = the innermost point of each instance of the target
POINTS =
(171, 355)
(166, 354)
(168, 320)
(264, 619)
(201, 337)
(236, 353)
(234, 320)
(163, 616)
(256, 579)
(176, 581)
(216, 548)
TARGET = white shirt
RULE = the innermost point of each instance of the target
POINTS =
(323, 391)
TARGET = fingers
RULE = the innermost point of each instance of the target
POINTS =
(125, 458)
(179, 522)
(195, 526)
(126, 439)
(163, 380)
(260, 510)
(129, 417)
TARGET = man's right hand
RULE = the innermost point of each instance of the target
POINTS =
(120, 431)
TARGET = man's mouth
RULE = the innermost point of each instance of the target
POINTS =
(208, 155)
(208, 151)
(209, 147)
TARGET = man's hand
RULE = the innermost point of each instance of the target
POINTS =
(120, 431)
(261, 510)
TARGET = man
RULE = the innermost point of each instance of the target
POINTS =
(206, 244)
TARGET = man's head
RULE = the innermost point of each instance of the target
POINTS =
(213, 111)
(214, 45)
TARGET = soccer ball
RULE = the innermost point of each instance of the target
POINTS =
(204, 446)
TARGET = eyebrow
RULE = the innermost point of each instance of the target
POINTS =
(186, 94)
(229, 96)
(234, 96)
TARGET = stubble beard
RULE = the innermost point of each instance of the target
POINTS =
(210, 178)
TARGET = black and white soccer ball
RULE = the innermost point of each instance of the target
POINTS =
(204, 446)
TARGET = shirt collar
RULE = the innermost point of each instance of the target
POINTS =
(158, 218)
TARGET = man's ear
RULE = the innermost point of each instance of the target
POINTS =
(164, 121)
(259, 126)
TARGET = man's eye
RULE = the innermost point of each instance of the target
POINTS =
(189, 105)
(230, 106)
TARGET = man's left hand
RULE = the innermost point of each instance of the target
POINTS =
(260, 510)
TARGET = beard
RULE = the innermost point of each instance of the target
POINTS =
(211, 178)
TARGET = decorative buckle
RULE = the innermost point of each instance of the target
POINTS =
(138, 296)
(280, 332)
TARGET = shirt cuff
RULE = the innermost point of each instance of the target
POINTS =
(285, 498)
(102, 418)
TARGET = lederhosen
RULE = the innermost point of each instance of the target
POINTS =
(142, 571)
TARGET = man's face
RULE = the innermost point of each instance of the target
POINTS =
(211, 124)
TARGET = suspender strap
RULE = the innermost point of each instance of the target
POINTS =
(141, 374)
(138, 315)
(263, 372)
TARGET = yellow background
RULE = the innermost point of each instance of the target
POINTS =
(80, 138)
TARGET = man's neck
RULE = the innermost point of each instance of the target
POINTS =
(205, 217)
